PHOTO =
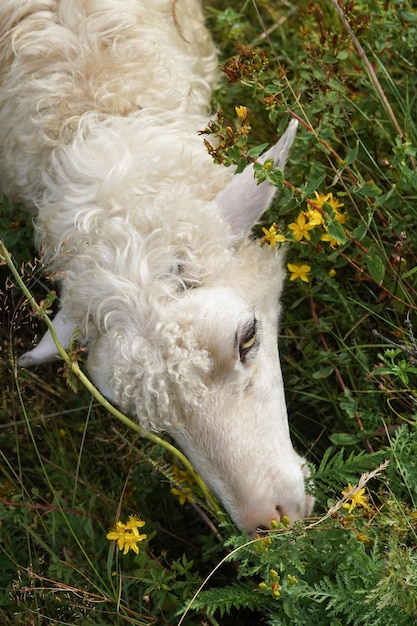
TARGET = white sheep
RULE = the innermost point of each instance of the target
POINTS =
(101, 102)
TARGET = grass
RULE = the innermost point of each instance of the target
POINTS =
(69, 469)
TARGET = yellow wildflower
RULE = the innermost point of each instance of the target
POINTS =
(314, 216)
(241, 112)
(356, 498)
(299, 270)
(134, 522)
(341, 217)
(332, 273)
(272, 236)
(301, 227)
(182, 496)
(127, 535)
(332, 241)
(184, 478)
(321, 199)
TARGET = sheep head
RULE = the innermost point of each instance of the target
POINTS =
(201, 361)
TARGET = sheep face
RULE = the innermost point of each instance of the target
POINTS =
(238, 436)
(207, 366)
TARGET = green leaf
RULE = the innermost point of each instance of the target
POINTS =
(275, 177)
(351, 155)
(409, 273)
(241, 166)
(336, 230)
(312, 186)
(376, 268)
(257, 150)
(360, 231)
(344, 439)
(370, 189)
(323, 372)
(408, 16)
(347, 403)
(342, 55)
(385, 197)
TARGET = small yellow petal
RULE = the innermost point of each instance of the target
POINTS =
(134, 522)
(241, 112)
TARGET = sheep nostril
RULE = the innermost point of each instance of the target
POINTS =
(262, 528)
(274, 518)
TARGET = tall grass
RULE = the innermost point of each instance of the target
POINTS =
(69, 470)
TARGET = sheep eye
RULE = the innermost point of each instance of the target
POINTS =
(248, 340)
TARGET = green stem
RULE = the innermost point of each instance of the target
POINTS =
(73, 365)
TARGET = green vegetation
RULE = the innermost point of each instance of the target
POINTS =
(347, 209)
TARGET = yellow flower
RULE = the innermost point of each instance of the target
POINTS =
(321, 199)
(314, 216)
(332, 273)
(182, 496)
(299, 270)
(301, 227)
(332, 241)
(134, 522)
(183, 478)
(117, 532)
(356, 498)
(127, 535)
(241, 112)
(272, 236)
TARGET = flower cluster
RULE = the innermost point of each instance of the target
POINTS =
(183, 478)
(318, 214)
(272, 236)
(274, 585)
(354, 498)
(353, 519)
(247, 65)
(127, 535)
(231, 139)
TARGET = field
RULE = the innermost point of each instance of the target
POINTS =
(346, 210)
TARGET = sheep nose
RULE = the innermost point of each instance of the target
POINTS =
(266, 520)
(267, 525)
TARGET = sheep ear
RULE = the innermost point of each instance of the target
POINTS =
(46, 349)
(243, 201)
